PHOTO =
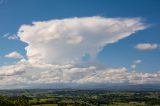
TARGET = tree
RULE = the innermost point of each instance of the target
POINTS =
(22, 101)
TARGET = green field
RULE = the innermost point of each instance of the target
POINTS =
(46, 105)
(79, 98)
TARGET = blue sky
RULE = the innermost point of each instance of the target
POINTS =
(15, 13)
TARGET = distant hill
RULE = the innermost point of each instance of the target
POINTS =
(109, 87)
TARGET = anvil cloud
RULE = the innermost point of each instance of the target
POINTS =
(55, 48)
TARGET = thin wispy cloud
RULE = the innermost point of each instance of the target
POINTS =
(13, 37)
(135, 63)
(5, 35)
(1, 2)
(10, 36)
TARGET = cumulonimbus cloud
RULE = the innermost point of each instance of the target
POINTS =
(68, 40)
(56, 46)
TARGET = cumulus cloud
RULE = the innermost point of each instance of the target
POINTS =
(147, 46)
(14, 55)
(56, 47)
(11, 70)
(68, 40)
(69, 74)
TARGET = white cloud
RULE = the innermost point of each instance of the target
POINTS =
(10, 36)
(147, 46)
(14, 55)
(11, 70)
(24, 73)
(74, 39)
(68, 40)
(13, 37)
(56, 47)
(6, 35)
(135, 63)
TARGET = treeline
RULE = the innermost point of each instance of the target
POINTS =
(14, 101)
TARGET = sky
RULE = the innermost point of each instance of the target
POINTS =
(79, 42)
